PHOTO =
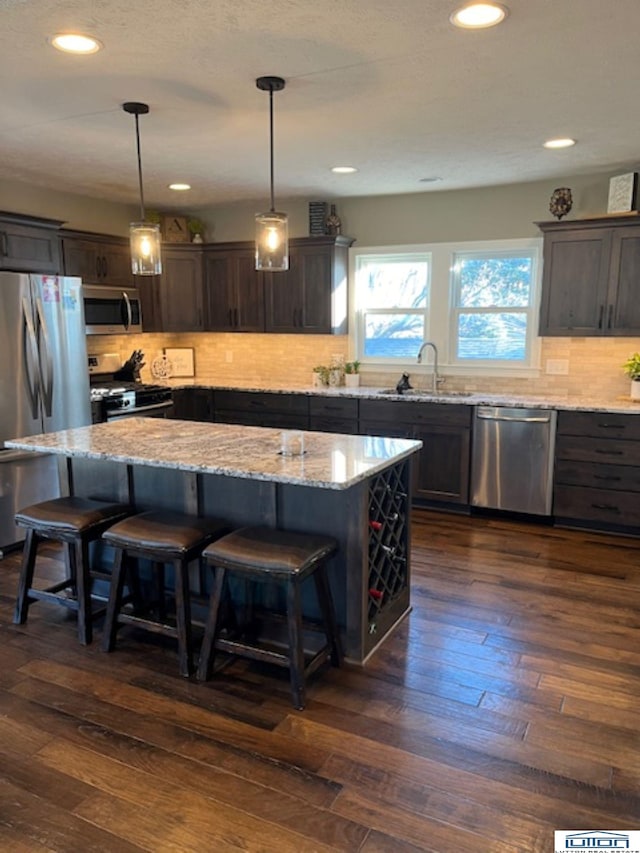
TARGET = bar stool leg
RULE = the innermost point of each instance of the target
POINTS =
(78, 552)
(115, 601)
(159, 590)
(325, 600)
(296, 650)
(183, 616)
(207, 652)
(29, 552)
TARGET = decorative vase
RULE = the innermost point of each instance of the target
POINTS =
(197, 238)
(333, 223)
(335, 376)
(635, 389)
(352, 380)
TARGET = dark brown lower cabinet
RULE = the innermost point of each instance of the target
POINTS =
(597, 471)
(441, 473)
(333, 414)
(193, 404)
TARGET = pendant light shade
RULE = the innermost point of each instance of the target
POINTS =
(144, 237)
(272, 228)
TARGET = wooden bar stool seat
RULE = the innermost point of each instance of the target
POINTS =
(263, 554)
(161, 537)
(75, 522)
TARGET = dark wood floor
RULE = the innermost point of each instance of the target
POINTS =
(505, 706)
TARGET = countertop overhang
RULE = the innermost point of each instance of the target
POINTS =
(330, 460)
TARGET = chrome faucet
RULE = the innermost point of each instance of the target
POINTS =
(435, 379)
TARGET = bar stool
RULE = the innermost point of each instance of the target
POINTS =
(263, 554)
(162, 537)
(75, 522)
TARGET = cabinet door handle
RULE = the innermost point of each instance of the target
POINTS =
(236, 321)
(600, 316)
(608, 507)
(231, 316)
(608, 478)
(609, 452)
(610, 316)
(612, 426)
(4, 244)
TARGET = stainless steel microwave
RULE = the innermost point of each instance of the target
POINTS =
(111, 310)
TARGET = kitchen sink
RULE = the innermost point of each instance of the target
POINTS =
(416, 392)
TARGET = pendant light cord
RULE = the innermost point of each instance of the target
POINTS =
(271, 144)
(142, 217)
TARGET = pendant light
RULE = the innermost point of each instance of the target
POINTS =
(272, 238)
(144, 236)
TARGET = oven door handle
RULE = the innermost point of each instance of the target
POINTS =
(130, 413)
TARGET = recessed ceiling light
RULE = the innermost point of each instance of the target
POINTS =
(75, 43)
(344, 170)
(479, 15)
(180, 187)
(430, 180)
(559, 143)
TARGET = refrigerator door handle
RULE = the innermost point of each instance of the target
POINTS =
(128, 307)
(47, 381)
(31, 363)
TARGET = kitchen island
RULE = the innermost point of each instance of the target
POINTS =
(354, 488)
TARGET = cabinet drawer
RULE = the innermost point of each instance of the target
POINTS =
(248, 401)
(396, 411)
(597, 450)
(385, 429)
(603, 505)
(276, 420)
(348, 426)
(333, 407)
(599, 424)
(596, 475)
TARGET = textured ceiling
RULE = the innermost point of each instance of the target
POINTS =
(391, 88)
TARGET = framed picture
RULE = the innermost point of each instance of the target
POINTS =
(623, 193)
(182, 360)
(175, 230)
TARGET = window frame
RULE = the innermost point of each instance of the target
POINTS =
(439, 318)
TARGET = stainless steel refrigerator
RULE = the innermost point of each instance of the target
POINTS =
(44, 384)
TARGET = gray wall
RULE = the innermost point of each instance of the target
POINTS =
(477, 214)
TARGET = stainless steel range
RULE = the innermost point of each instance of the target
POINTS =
(112, 399)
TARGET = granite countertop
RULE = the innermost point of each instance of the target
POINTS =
(330, 460)
(475, 398)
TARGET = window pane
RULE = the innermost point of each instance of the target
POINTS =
(393, 335)
(393, 283)
(492, 336)
(485, 282)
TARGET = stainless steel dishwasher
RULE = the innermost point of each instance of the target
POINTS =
(512, 462)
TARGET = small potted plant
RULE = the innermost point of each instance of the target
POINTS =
(352, 374)
(320, 376)
(196, 229)
(632, 369)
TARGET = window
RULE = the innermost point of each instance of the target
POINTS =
(476, 301)
(492, 301)
(393, 292)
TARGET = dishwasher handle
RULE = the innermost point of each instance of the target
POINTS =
(539, 419)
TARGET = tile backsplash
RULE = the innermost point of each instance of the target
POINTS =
(594, 364)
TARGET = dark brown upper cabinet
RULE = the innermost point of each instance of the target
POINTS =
(29, 244)
(590, 277)
(310, 298)
(97, 258)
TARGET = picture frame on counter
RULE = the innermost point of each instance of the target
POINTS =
(623, 193)
(182, 360)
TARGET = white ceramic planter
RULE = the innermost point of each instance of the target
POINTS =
(635, 389)
(352, 380)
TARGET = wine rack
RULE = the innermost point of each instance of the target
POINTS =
(388, 578)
